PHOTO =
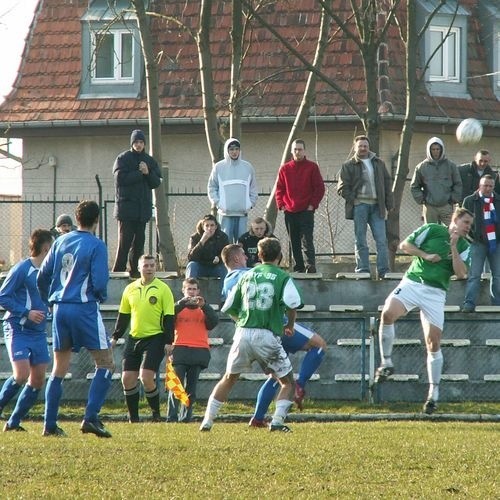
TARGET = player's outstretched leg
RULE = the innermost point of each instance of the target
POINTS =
(386, 341)
(267, 393)
(309, 366)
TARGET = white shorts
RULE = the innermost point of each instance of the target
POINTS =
(429, 299)
(257, 344)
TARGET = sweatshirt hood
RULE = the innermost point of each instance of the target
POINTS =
(232, 141)
(430, 142)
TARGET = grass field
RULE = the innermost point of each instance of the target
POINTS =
(382, 459)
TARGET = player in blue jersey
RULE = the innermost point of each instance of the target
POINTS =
(303, 339)
(73, 280)
(257, 305)
(24, 331)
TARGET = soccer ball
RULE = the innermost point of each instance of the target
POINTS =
(469, 131)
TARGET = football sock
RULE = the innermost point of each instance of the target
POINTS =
(281, 411)
(9, 390)
(153, 399)
(97, 393)
(25, 401)
(310, 364)
(266, 394)
(132, 402)
(386, 341)
(434, 369)
(213, 407)
(53, 393)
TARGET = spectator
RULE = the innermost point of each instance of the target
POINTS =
(64, 224)
(299, 191)
(24, 327)
(485, 233)
(436, 184)
(136, 174)
(147, 305)
(258, 304)
(438, 253)
(366, 186)
(470, 173)
(73, 278)
(259, 228)
(191, 352)
(204, 251)
(232, 189)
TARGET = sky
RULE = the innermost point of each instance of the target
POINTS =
(15, 19)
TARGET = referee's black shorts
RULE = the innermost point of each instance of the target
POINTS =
(146, 353)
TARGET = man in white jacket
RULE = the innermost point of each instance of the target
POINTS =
(232, 188)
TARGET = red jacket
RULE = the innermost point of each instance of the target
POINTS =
(299, 185)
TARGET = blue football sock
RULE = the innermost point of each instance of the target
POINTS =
(310, 364)
(97, 393)
(266, 394)
(24, 403)
(53, 393)
(9, 390)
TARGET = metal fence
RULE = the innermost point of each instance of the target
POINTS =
(334, 235)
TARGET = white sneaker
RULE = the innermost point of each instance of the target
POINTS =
(206, 426)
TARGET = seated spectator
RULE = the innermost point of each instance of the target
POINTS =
(259, 228)
(191, 352)
(64, 224)
(204, 251)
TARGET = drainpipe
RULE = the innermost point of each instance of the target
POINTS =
(53, 164)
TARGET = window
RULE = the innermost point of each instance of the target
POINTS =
(113, 56)
(443, 49)
(112, 63)
(489, 14)
(445, 64)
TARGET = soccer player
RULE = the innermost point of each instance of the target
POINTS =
(73, 279)
(257, 305)
(24, 331)
(438, 253)
(303, 339)
(147, 305)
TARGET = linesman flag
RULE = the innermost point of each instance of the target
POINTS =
(172, 383)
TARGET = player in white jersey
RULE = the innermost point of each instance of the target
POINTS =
(257, 304)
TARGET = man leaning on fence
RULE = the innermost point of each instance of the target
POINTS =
(365, 184)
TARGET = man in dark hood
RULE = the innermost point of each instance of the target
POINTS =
(136, 174)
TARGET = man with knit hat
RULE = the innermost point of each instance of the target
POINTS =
(64, 224)
(136, 174)
(232, 188)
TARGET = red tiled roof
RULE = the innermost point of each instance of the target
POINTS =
(48, 84)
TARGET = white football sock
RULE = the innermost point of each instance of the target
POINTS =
(213, 407)
(434, 369)
(386, 336)
(281, 411)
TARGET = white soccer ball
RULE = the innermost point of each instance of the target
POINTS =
(469, 131)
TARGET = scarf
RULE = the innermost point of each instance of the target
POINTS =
(489, 218)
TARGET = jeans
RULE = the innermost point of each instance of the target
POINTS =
(479, 254)
(300, 228)
(197, 270)
(368, 215)
(188, 375)
(234, 227)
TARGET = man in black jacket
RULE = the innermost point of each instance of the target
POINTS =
(136, 174)
(485, 232)
(472, 172)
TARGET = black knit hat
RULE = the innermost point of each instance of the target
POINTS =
(64, 219)
(137, 135)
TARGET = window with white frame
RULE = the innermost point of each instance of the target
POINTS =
(445, 63)
(497, 66)
(113, 56)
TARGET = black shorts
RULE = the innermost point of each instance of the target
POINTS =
(190, 356)
(146, 353)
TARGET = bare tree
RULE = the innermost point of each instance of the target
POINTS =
(166, 240)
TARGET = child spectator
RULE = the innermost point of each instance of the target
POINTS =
(259, 228)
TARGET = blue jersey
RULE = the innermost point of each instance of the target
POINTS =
(231, 280)
(75, 270)
(19, 295)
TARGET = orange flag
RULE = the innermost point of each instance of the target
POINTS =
(172, 383)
